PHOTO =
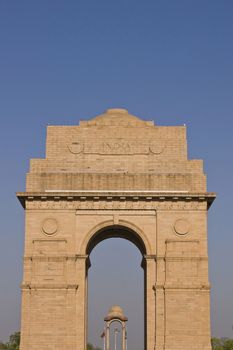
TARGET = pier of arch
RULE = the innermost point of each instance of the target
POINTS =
(115, 175)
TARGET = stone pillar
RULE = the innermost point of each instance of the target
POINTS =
(81, 262)
(123, 336)
(159, 297)
(107, 337)
(150, 264)
(159, 317)
(25, 324)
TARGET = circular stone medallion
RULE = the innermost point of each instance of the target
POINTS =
(182, 226)
(49, 226)
(156, 147)
(75, 147)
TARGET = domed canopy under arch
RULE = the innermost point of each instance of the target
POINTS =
(116, 313)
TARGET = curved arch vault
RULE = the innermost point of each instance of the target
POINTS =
(120, 176)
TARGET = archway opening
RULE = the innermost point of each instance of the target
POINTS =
(116, 231)
(117, 276)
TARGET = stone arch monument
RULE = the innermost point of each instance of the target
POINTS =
(115, 175)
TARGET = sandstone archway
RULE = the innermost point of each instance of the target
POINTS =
(116, 170)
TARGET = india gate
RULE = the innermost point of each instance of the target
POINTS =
(116, 175)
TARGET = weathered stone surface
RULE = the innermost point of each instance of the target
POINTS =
(116, 175)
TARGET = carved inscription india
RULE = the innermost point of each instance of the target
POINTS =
(116, 146)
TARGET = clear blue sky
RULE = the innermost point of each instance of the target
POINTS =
(168, 61)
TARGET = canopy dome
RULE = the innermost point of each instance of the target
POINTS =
(116, 312)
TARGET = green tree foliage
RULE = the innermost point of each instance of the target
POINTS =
(89, 347)
(13, 343)
(228, 344)
(2, 346)
(222, 344)
(216, 344)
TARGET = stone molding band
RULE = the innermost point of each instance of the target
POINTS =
(29, 286)
(167, 286)
(112, 196)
